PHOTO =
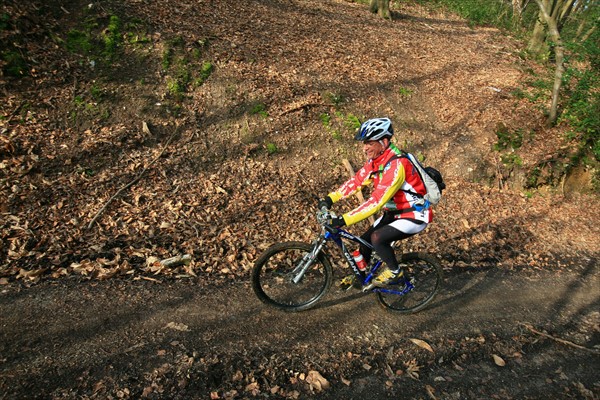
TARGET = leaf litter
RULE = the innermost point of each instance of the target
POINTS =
(216, 196)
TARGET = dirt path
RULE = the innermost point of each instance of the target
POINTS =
(180, 340)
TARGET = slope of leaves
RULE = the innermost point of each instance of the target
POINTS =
(227, 162)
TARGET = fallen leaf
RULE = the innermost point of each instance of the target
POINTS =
(253, 387)
(238, 376)
(145, 128)
(147, 391)
(498, 360)
(431, 392)
(412, 369)
(33, 274)
(177, 326)
(317, 381)
(423, 344)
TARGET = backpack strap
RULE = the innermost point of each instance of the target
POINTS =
(404, 155)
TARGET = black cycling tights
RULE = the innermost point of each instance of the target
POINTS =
(380, 237)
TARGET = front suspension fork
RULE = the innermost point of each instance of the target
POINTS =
(308, 260)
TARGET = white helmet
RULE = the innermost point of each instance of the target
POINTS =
(375, 129)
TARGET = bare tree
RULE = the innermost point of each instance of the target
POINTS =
(382, 8)
(559, 11)
(517, 7)
(551, 21)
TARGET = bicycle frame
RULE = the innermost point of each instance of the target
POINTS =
(364, 278)
(336, 237)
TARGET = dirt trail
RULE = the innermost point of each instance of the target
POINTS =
(181, 340)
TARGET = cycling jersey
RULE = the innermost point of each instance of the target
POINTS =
(392, 176)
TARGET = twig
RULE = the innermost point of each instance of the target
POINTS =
(137, 178)
(559, 340)
(12, 114)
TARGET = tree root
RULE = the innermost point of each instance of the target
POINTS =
(559, 340)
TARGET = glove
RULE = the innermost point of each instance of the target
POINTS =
(326, 202)
(337, 222)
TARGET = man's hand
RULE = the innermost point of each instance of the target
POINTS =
(337, 222)
(326, 202)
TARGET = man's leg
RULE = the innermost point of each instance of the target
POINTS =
(349, 280)
(367, 236)
(382, 238)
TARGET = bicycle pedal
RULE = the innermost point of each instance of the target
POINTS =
(348, 283)
(345, 288)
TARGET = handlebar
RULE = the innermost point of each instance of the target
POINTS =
(324, 217)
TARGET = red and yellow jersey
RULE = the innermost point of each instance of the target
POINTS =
(392, 176)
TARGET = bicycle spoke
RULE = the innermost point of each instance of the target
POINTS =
(276, 270)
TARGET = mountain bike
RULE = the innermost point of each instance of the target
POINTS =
(294, 276)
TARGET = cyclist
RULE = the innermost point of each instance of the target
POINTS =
(395, 180)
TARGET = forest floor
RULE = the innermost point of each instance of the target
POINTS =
(143, 131)
(489, 334)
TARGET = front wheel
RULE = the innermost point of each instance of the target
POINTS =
(426, 274)
(276, 280)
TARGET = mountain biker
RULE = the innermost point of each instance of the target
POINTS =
(394, 178)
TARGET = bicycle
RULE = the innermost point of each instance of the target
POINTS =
(294, 276)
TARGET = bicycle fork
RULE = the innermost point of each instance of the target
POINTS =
(308, 260)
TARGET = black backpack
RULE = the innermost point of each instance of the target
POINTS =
(436, 176)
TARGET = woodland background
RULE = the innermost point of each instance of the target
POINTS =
(128, 138)
(135, 131)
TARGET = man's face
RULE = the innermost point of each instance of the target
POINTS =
(373, 148)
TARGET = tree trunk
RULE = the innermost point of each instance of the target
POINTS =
(517, 10)
(554, 33)
(381, 7)
(559, 12)
(537, 42)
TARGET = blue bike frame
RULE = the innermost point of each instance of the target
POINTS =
(336, 237)
(363, 277)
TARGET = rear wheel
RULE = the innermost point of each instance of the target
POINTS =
(277, 267)
(426, 274)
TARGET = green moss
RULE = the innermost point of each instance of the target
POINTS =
(4, 22)
(79, 41)
(112, 37)
(404, 92)
(259, 109)
(15, 64)
(272, 148)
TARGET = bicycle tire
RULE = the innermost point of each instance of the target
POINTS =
(271, 279)
(428, 275)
